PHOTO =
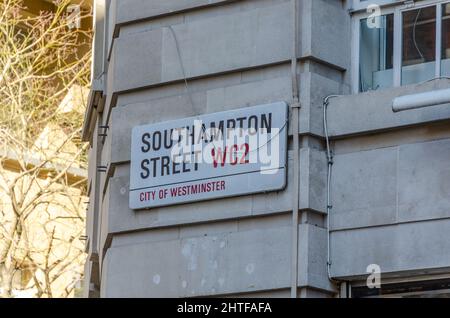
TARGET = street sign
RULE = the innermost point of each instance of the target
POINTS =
(231, 153)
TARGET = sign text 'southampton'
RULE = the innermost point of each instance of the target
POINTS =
(211, 156)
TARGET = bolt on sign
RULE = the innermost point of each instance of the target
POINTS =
(211, 156)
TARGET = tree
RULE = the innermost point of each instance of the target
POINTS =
(44, 69)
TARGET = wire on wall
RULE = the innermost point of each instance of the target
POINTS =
(330, 162)
(295, 107)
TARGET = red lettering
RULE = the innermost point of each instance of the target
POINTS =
(220, 157)
(244, 159)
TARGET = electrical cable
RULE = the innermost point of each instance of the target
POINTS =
(330, 162)
(183, 70)
(414, 35)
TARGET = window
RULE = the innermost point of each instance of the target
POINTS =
(362, 4)
(432, 288)
(445, 52)
(418, 45)
(376, 53)
(407, 44)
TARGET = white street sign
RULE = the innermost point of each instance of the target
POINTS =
(232, 153)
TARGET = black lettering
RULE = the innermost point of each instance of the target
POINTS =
(202, 136)
(146, 172)
(168, 141)
(231, 124)
(241, 122)
(253, 122)
(267, 123)
(192, 135)
(216, 131)
(175, 165)
(145, 140)
(156, 140)
(154, 162)
(165, 162)
(197, 155)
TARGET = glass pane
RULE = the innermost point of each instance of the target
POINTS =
(445, 68)
(376, 53)
(419, 45)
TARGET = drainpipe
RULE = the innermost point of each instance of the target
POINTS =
(295, 110)
(330, 162)
(420, 100)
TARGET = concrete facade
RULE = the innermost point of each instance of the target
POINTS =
(391, 175)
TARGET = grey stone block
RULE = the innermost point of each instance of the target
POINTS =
(372, 111)
(247, 39)
(212, 265)
(132, 10)
(364, 188)
(416, 247)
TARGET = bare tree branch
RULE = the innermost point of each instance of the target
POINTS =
(42, 210)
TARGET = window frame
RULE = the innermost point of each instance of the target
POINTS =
(397, 9)
(362, 5)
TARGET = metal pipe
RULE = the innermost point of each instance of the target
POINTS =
(329, 174)
(420, 100)
(295, 107)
